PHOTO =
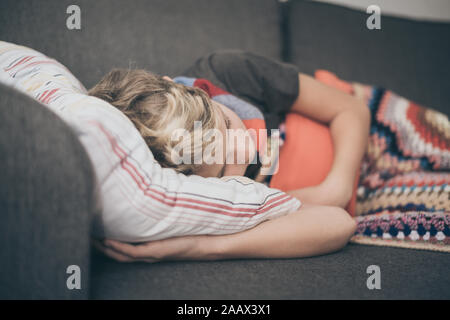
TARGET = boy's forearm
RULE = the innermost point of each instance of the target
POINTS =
(349, 131)
(349, 120)
(313, 230)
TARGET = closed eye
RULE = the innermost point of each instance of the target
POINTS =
(227, 122)
(222, 172)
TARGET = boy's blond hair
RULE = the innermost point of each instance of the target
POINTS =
(157, 107)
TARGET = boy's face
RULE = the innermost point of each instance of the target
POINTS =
(238, 147)
(237, 144)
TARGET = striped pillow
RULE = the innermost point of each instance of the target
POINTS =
(140, 200)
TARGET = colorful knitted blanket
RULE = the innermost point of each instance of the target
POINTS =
(403, 195)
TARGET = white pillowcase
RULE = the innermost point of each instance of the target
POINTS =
(140, 200)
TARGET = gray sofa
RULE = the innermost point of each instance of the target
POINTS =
(47, 190)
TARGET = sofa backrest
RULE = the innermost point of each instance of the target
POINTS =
(164, 36)
(409, 57)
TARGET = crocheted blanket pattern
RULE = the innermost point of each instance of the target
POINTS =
(403, 196)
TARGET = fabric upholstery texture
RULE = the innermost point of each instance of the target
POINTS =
(164, 36)
(405, 274)
(47, 200)
(406, 56)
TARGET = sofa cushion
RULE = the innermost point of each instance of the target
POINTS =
(405, 274)
(405, 56)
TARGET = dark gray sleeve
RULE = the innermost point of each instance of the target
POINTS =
(268, 84)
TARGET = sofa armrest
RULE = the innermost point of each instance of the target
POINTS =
(47, 199)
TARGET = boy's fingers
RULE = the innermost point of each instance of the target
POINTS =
(117, 256)
(111, 253)
(142, 251)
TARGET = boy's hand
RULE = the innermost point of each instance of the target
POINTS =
(180, 248)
